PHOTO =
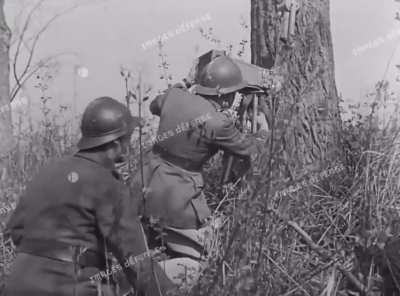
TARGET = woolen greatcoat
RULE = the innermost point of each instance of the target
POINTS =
(78, 201)
(191, 130)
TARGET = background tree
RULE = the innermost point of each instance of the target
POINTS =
(28, 66)
(308, 117)
(5, 110)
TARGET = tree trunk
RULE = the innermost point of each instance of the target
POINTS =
(5, 109)
(308, 120)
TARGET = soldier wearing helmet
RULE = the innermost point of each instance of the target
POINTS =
(173, 170)
(75, 211)
(221, 77)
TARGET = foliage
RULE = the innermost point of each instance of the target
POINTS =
(348, 217)
(349, 214)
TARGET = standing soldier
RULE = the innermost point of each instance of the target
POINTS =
(192, 129)
(75, 210)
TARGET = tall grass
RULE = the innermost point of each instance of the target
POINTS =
(325, 238)
(295, 244)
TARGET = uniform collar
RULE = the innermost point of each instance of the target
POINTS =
(98, 158)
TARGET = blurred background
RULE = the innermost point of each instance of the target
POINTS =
(88, 42)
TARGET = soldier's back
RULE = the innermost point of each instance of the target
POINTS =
(58, 206)
(58, 203)
(187, 124)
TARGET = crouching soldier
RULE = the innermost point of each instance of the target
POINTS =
(192, 128)
(75, 210)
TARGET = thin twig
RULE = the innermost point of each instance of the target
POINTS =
(32, 49)
(286, 274)
(321, 252)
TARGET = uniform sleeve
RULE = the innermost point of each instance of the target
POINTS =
(227, 137)
(157, 103)
(119, 223)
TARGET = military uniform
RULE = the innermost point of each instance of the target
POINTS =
(76, 205)
(191, 130)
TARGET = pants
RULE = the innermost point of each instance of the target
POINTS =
(174, 195)
(185, 271)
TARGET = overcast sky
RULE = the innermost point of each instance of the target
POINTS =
(108, 33)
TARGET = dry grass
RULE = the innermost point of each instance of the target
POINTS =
(298, 244)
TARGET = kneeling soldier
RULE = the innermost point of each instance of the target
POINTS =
(75, 210)
(192, 129)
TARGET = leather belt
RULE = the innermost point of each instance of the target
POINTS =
(181, 162)
(63, 252)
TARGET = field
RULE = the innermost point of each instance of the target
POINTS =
(326, 233)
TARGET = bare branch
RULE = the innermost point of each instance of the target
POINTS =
(26, 70)
(39, 65)
(15, 28)
(322, 253)
(21, 38)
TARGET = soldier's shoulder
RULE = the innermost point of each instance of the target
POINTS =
(185, 96)
(88, 170)
(55, 165)
(219, 120)
(175, 93)
(65, 169)
(98, 179)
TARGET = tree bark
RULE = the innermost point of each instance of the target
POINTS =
(6, 135)
(308, 119)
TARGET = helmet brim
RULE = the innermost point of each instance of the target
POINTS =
(252, 89)
(241, 87)
(87, 142)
